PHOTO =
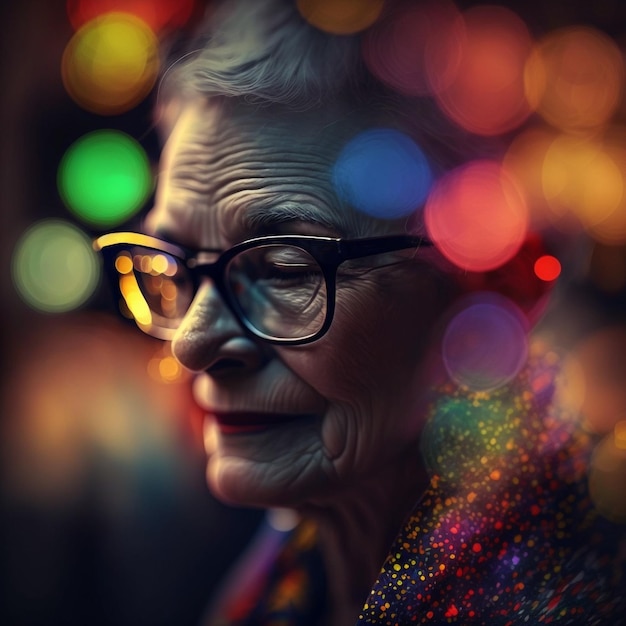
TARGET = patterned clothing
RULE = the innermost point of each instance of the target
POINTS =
(505, 534)
(291, 590)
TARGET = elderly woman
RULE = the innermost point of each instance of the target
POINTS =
(313, 328)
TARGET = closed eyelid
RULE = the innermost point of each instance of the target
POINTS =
(287, 256)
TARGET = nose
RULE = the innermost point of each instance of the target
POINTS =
(210, 339)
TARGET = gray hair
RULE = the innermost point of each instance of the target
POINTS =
(264, 53)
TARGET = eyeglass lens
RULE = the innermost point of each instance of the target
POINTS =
(156, 287)
(279, 289)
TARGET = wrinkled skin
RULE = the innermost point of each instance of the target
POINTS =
(356, 392)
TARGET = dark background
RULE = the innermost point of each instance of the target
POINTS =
(105, 517)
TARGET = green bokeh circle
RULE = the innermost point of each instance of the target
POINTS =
(104, 178)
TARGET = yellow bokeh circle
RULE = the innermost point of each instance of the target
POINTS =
(341, 17)
(574, 78)
(111, 63)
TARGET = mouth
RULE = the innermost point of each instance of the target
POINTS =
(250, 422)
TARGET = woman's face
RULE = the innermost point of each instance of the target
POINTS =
(293, 422)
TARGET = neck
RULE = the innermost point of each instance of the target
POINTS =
(357, 528)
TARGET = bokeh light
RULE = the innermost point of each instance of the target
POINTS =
(54, 267)
(582, 179)
(111, 63)
(524, 159)
(383, 173)
(135, 301)
(516, 279)
(341, 17)
(164, 368)
(417, 48)
(574, 78)
(485, 344)
(607, 475)
(477, 216)
(612, 229)
(158, 14)
(104, 177)
(547, 267)
(487, 95)
(594, 373)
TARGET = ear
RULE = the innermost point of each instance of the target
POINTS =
(517, 279)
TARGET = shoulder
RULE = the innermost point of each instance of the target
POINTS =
(509, 528)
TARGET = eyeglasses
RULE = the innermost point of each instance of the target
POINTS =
(280, 288)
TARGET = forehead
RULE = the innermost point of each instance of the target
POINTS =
(230, 174)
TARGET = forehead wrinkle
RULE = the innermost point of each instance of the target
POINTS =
(219, 170)
(228, 175)
(248, 175)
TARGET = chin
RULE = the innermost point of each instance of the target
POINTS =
(241, 481)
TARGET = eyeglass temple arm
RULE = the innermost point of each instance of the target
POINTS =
(357, 248)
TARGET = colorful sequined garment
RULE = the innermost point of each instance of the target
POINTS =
(506, 534)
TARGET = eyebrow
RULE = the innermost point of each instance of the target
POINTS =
(262, 216)
(257, 218)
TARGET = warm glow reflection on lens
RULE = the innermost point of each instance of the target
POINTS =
(169, 291)
(124, 264)
(144, 263)
(341, 17)
(134, 299)
(159, 264)
(111, 63)
(416, 49)
(581, 177)
(487, 94)
(54, 267)
(574, 78)
(156, 13)
(477, 216)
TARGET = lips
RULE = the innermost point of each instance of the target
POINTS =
(249, 422)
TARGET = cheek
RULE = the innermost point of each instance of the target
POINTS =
(369, 368)
(380, 335)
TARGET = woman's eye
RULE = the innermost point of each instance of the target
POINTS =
(276, 267)
(292, 271)
(290, 264)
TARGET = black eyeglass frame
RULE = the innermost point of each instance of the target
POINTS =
(328, 252)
